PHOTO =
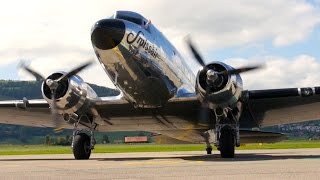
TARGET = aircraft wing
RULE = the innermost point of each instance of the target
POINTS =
(280, 106)
(36, 112)
(261, 108)
(114, 112)
(26, 112)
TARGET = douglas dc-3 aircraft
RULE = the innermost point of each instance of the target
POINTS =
(159, 94)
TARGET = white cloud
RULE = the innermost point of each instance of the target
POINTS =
(224, 23)
(55, 35)
(278, 72)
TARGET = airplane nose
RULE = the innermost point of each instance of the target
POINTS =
(107, 33)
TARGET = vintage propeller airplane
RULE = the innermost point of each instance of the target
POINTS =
(160, 94)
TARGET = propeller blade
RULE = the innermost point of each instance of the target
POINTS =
(54, 113)
(240, 70)
(55, 116)
(195, 53)
(75, 71)
(38, 76)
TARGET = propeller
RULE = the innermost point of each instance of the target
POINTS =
(214, 77)
(53, 85)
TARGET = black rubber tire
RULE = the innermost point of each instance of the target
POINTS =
(227, 143)
(81, 146)
(209, 150)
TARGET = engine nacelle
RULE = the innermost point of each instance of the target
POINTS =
(226, 90)
(71, 95)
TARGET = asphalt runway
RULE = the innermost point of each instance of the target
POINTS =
(248, 164)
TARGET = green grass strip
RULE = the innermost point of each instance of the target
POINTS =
(118, 148)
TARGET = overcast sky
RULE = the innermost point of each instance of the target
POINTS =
(283, 34)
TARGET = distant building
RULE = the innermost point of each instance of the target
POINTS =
(136, 139)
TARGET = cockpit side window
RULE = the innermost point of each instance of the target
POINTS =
(128, 18)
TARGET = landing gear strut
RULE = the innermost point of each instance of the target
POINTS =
(83, 141)
(206, 136)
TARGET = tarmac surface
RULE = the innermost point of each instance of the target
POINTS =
(248, 164)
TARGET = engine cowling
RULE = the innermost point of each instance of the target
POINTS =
(71, 94)
(223, 92)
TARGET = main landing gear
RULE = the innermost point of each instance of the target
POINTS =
(226, 142)
(83, 141)
(81, 146)
(225, 136)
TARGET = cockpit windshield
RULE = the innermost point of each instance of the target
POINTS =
(135, 20)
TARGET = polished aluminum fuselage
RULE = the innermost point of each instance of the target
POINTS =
(147, 67)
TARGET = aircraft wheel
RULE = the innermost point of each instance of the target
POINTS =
(81, 146)
(227, 143)
(209, 150)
